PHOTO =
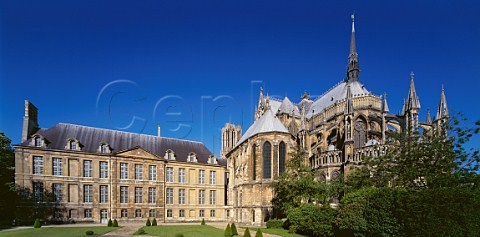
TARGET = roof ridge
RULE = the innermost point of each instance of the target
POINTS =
(143, 134)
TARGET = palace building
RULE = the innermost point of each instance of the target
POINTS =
(98, 174)
(336, 129)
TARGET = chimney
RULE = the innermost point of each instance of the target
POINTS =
(158, 133)
(30, 120)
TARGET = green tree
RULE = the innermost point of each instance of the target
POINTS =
(154, 222)
(247, 233)
(259, 233)
(148, 223)
(234, 229)
(228, 231)
(7, 181)
(115, 223)
(203, 221)
(312, 220)
(110, 223)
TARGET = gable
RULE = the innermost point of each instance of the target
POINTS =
(138, 152)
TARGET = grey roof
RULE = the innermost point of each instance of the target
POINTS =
(267, 123)
(339, 92)
(90, 139)
(288, 107)
(274, 103)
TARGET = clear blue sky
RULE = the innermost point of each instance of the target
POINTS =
(191, 66)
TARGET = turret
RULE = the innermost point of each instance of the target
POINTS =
(353, 68)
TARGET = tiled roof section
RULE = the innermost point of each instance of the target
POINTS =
(339, 92)
(267, 123)
(90, 139)
(274, 104)
(288, 107)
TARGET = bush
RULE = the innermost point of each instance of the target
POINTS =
(247, 233)
(154, 222)
(259, 233)
(110, 223)
(89, 232)
(140, 232)
(148, 223)
(203, 221)
(115, 223)
(312, 220)
(37, 223)
(292, 229)
(178, 235)
(275, 224)
(228, 231)
(234, 229)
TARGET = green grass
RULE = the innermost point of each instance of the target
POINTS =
(57, 231)
(186, 230)
(281, 232)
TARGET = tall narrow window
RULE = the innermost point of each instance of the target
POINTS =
(123, 171)
(254, 166)
(138, 195)
(169, 174)
(181, 196)
(57, 166)
(213, 176)
(152, 172)
(38, 165)
(103, 148)
(103, 193)
(201, 197)
(123, 194)
(201, 177)
(124, 213)
(57, 192)
(281, 157)
(267, 160)
(182, 175)
(138, 172)
(169, 196)
(152, 195)
(151, 213)
(37, 141)
(73, 145)
(87, 193)
(359, 133)
(103, 169)
(213, 197)
(38, 191)
(87, 168)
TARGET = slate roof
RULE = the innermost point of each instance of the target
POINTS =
(267, 123)
(339, 92)
(288, 107)
(90, 139)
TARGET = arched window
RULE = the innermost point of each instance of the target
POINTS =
(169, 155)
(360, 133)
(192, 157)
(281, 157)
(267, 160)
(254, 166)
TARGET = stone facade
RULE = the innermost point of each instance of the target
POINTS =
(337, 130)
(99, 174)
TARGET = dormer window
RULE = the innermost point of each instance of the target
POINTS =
(192, 157)
(72, 144)
(104, 148)
(212, 160)
(169, 155)
(37, 141)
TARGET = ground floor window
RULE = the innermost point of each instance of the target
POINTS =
(88, 213)
(202, 213)
(169, 213)
(151, 213)
(138, 213)
(181, 213)
(124, 213)
(228, 213)
(212, 213)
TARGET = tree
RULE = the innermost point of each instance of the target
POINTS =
(154, 222)
(247, 233)
(203, 221)
(37, 223)
(7, 181)
(300, 185)
(228, 231)
(148, 223)
(259, 233)
(234, 229)
(110, 223)
(312, 220)
(115, 223)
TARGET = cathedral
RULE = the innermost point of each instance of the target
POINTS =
(336, 129)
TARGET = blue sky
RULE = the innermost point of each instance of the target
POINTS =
(191, 66)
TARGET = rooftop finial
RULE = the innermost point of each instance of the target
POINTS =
(412, 75)
(353, 22)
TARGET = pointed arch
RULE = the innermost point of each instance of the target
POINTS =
(267, 160)
(281, 157)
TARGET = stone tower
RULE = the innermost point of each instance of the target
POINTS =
(231, 133)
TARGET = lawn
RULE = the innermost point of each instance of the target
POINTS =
(186, 230)
(56, 231)
(281, 232)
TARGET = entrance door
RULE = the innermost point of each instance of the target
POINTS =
(103, 216)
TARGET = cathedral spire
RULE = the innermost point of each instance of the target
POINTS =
(429, 117)
(412, 101)
(442, 110)
(353, 68)
(384, 104)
